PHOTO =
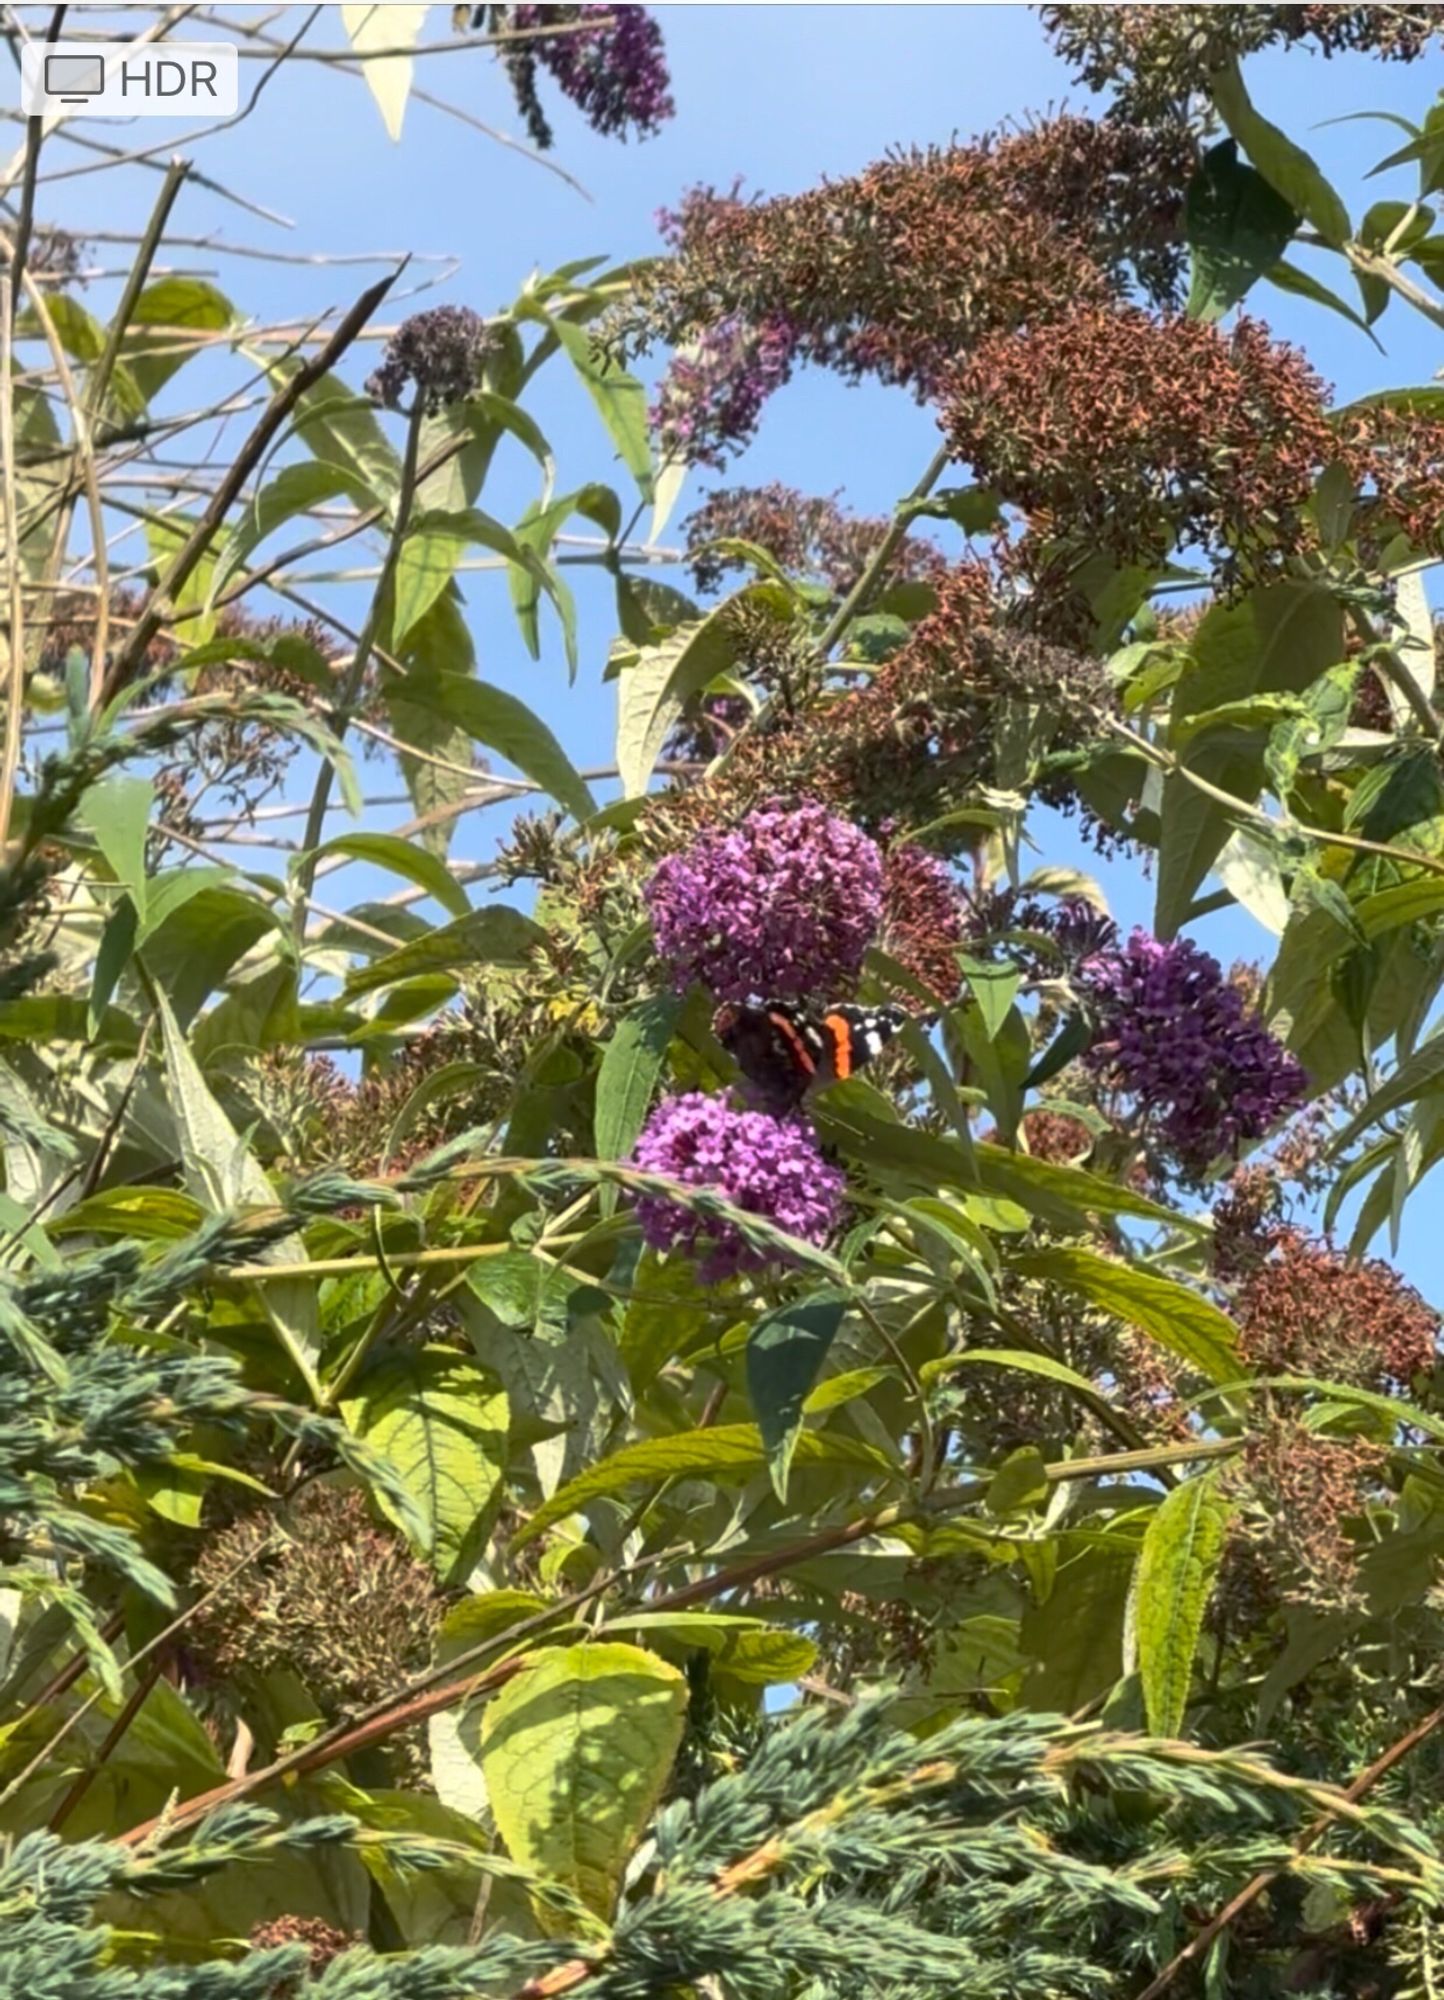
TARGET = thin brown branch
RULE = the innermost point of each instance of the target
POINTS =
(34, 135)
(191, 552)
(15, 665)
(86, 1778)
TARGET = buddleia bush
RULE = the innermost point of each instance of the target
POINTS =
(773, 1370)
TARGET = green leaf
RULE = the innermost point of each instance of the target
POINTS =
(785, 1351)
(1286, 277)
(975, 509)
(537, 530)
(1011, 1357)
(434, 545)
(1286, 167)
(666, 1315)
(632, 1063)
(296, 489)
(727, 1453)
(619, 397)
(993, 985)
(1237, 226)
(439, 1420)
(340, 428)
(192, 943)
(491, 716)
(495, 935)
(656, 681)
(862, 1123)
(1394, 1408)
(575, 1752)
(1020, 1481)
(1177, 1317)
(746, 1648)
(150, 349)
(113, 954)
(221, 1172)
(1074, 1638)
(1063, 1195)
(404, 858)
(1278, 639)
(1177, 1565)
(1415, 1077)
(118, 814)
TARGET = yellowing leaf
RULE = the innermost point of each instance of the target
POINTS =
(575, 1752)
(388, 77)
(440, 1422)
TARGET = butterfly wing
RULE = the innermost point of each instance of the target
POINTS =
(784, 1052)
(776, 1050)
(854, 1037)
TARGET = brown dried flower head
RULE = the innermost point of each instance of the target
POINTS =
(1156, 59)
(896, 271)
(324, 1592)
(810, 537)
(1136, 434)
(1308, 1310)
(1307, 1488)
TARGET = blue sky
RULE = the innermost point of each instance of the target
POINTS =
(778, 96)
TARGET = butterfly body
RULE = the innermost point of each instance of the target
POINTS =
(785, 1051)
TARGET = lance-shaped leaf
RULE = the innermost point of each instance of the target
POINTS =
(1177, 1317)
(629, 1072)
(1176, 1569)
(785, 1351)
(493, 936)
(1285, 166)
(575, 1752)
(656, 681)
(294, 490)
(620, 398)
(221, 1171)
(433, 547)
(491, 716)
(728, 1453)
(1237, 226)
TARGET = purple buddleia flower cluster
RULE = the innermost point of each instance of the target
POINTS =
(711, 399)
(783, 906)
(615, 73)
(442, 351)
(1177, 1038)
(769, 1166)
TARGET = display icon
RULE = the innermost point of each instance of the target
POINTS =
(159, 79)
(74, 78)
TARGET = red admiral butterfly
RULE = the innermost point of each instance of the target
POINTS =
(785, 1051)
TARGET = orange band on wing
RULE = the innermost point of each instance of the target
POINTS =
(795, 1042)
(835, 1025)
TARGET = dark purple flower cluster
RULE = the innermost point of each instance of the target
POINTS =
(1177, 1038)
(615, 73)
(711, 399)
(442, 351)
(769, 1166)
(1045, 940)
(785, 905)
